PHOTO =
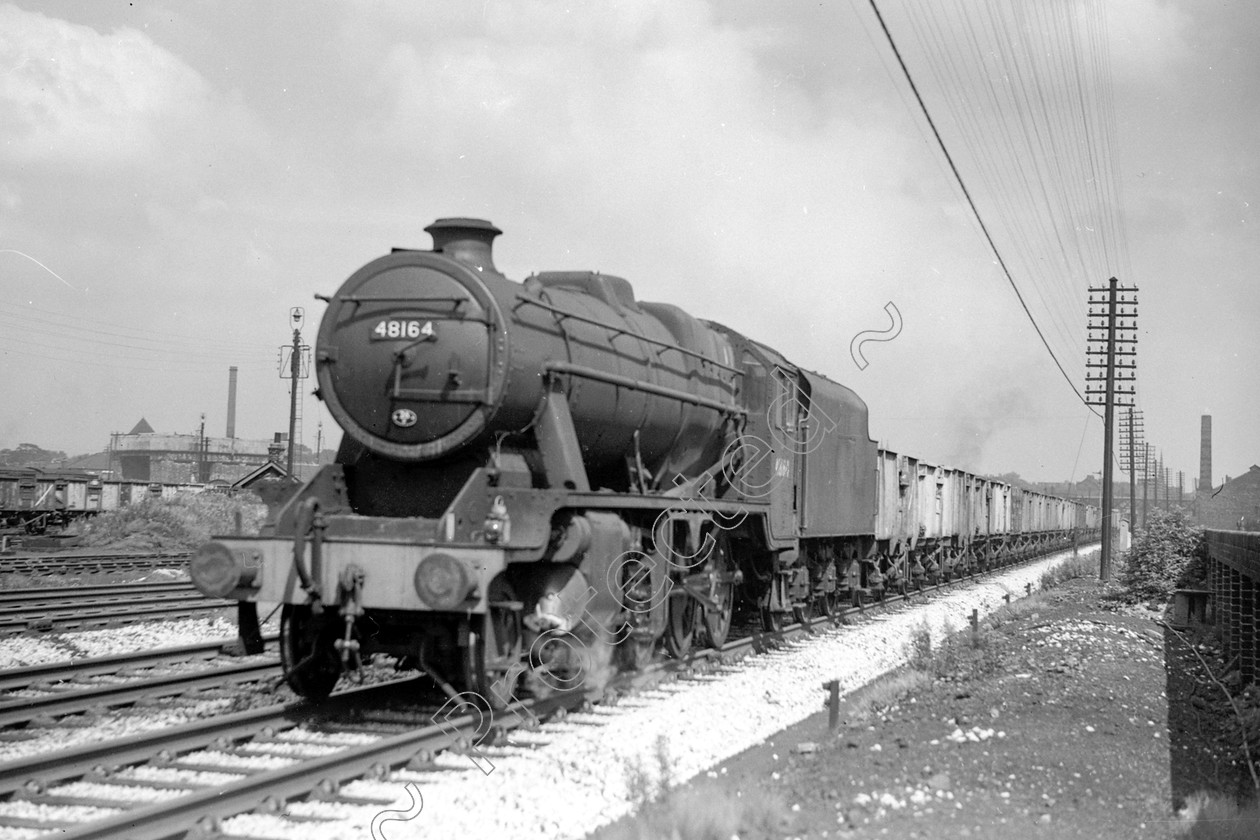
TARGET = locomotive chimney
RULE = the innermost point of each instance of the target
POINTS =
(466, 240)
(231, 410)
(1205, 455)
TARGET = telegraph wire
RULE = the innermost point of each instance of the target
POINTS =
(986, 146)
(22, 311)
(971, 203)
(56, 332)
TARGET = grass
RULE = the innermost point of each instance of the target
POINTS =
(974, 654)
(878, 698)
(1082, 565)
(703, 811)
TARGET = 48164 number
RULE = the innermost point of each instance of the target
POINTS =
(391, 329)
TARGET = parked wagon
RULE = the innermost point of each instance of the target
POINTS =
(34, 500)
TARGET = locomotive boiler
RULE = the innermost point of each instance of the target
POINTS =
(543, 481)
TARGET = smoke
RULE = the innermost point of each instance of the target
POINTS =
(973, 419)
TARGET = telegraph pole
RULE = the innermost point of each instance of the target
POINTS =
(1146, 481)
(1104, 329)
(202, 449)
(297, 370)
(1159, 476)
(1163, 473)
(1133, 430)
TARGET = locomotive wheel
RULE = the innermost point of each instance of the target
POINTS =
(636, 652)
(636, 648)
(494, 645)
(310, 662)
(717, 624)
(680, 629)
(826, 604)
(683, 612)
(823, 603)
(771, 621)
(802, 613)
(472, 662)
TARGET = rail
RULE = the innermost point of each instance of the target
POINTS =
(1234, 578)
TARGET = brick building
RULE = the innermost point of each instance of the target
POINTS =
(1234, 506)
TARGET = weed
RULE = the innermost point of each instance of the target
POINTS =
(1082, 565)
(182, 522)
(664, 765)
(1208, 818)
(639, 785)
(888, 691)
(919, 648)
(966, 656)
(643, 785)
(705, 812)
(1168, 552)
(1016, 609)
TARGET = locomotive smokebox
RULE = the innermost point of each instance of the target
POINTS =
(422, 354)
(466, 240)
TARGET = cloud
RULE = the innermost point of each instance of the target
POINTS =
(71, 94)
(762, 165)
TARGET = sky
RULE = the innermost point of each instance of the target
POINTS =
(175, 176)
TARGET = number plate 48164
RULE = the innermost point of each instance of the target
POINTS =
(394, 329)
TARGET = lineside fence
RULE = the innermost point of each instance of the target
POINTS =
(1234, 575)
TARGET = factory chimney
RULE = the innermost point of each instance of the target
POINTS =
(231, 414)
(1205, 456)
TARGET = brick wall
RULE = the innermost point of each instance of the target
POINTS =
(1234, 578)
(1238, 500)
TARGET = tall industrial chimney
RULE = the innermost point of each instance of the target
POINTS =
(1205, 455)
(231, 418)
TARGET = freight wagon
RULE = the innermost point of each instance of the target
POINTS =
(35, 500)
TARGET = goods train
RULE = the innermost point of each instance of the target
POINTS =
(548, 479)
(35, 500)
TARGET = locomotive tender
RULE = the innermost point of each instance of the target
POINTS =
(542, 481)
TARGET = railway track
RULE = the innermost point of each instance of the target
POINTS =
(90, 606)
(264, 758)
(15, 678)
(107, 592)
(46, 565)
(69, 688)
(290, 735)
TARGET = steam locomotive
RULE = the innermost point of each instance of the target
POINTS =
(545, 481)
